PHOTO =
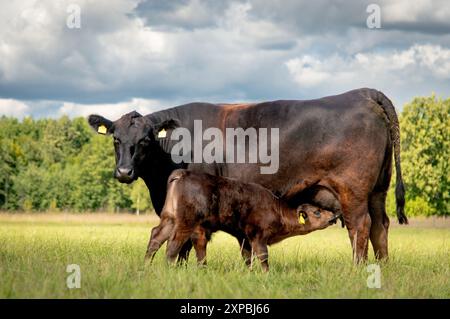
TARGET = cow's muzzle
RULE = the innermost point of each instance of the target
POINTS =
(125, 175)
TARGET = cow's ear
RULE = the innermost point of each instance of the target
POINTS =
(160, 129)
(100, 124)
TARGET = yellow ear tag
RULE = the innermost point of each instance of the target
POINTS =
(102, 129)
(162, 133)
(301, 220)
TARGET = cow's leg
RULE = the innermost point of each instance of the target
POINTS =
(357, 220)
(179, 237)
(246, 250)
(377, 208)
(380, 225)
(183, 256)
(200, 242)
(159, 236)
(259, 248)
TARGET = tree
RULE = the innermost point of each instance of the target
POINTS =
(57, 164)
(425, 132)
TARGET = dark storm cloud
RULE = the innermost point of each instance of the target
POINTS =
(163, 53)
(182, 14)
(303, 16)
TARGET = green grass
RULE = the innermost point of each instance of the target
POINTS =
(36, 250)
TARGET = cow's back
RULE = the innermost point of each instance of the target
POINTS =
(318, 139)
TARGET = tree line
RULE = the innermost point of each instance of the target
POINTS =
(62, 165)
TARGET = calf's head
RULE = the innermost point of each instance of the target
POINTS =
(135, 139)
(316, 218)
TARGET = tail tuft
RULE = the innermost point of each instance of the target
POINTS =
(400, 197)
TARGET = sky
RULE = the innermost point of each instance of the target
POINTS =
(150, 55)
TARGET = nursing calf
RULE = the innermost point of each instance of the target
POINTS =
(198, 204)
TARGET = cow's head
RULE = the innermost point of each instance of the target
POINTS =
(135, 138)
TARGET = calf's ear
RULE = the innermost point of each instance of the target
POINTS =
(161, 128)
(100, 124)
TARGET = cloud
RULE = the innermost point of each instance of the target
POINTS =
(427, 16)
(390, 70)
(420, 60)
(121, 57)
(10, 107)
(181, 51)
(328, 16)
(19, 109)
(302, 16)
(308, 71)
(181, 14)
(112, 111)
(40, 53)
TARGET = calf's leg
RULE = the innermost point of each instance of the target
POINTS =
(246, 250)
(259, 248)
(179, 237)
(200, 241)
(159, 236)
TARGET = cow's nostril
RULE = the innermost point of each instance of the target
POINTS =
(125, 171)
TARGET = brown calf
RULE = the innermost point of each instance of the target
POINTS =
(198, 203)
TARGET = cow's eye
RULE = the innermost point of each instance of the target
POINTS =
(317, 213)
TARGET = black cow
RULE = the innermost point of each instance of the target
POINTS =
(342, 143)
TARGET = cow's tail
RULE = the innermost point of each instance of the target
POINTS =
(394, 128)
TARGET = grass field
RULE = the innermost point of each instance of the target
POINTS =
(36, 249)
